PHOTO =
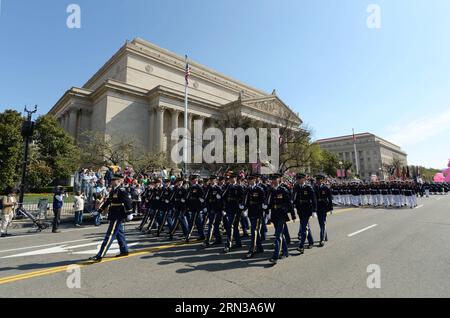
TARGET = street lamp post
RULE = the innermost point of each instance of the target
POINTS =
(27, 133)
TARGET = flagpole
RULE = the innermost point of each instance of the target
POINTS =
(186, 121)
(356, 154)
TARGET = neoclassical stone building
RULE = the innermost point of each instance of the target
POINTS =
(139, 93)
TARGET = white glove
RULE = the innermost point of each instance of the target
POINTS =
(264, 206)
(205, 210)
(224, 213)
(130, 217)
(245, 213)
(183, 200)
(314, 215)
(241, 207)
(218, 197)
(295, 210)
(167, 201)
(202, 200)
(157, 198)
(269, 215)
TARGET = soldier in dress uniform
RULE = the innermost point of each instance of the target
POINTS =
(305, 204)
(279, 204)
(214, 206)
(266, 187)
(195, 205)
(165, 205)
(233, 198)
(324, 205)
(256, 204)
(179, 209)
(120, 208)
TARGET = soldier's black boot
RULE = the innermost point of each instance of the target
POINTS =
(273, 261)
(322, 244)
(122, 254)
(249, 255)
(95, 259)
(301, 250)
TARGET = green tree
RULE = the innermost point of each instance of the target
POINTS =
(56, 148)
(10, 148)
(329, 163)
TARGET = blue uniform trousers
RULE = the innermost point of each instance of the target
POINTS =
(232, 227)
(305, 232)
(214, 219)
(115, 231)
(256, 242)
(322, 218)
(280, 239)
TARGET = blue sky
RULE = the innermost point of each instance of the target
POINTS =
(320, 56)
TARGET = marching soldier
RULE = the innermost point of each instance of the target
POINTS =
(120, 208)
(195, 201)
(166, 197)
(179, 209)
(256, 204)
(279, 206)
(214, 206)
(306, 204)
(233, 197)
(324, 205)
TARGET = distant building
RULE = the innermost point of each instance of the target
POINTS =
(374, 153)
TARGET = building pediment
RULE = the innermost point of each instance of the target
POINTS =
(272, 105)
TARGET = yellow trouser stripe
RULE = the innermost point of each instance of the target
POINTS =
(110, 237)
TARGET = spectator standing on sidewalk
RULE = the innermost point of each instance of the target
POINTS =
(9, 203)
(58, 202)
(78, 206)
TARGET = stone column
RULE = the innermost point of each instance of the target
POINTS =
(159, 129)
(151, 129)
(175, 115)
(72, 127)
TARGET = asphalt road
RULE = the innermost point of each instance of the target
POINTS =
(410, 248)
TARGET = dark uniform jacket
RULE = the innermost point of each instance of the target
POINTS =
(166, 197)
(119, 204)
(233, 197)
(304, 200)
(195, 194)
(214, 198)
(324, 199)
(280, 204)
(179, 198)
(256, 198)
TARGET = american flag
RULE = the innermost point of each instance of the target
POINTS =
(187, 72)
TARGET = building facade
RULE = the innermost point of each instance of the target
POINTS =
(374, 153)
(139, 93)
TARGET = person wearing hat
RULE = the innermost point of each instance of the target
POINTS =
(179, 209)
(234, 198)
(195, 202)
(120, 208)
(58, 202)
(305, 203)
(165, 205)
(265, 185)
(279, 204)
(214, 206)
(324, 206)
(256, 203)
(9, 203)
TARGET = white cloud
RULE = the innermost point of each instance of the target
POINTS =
(422, 129)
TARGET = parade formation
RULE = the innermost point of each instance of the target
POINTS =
(221, 210)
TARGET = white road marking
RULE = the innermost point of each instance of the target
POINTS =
(420, 206)
(43, 233)
(360, 231)
(45, 245)
(438, 199)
